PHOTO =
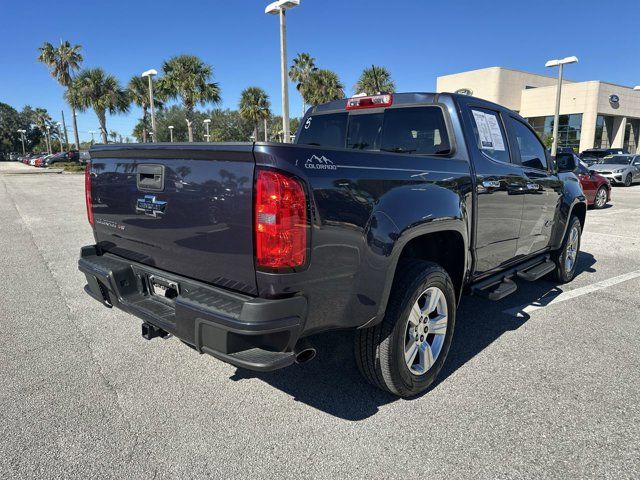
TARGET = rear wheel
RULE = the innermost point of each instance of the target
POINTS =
(601, 197)
(628, 180)
(566, 258)
(405, 352)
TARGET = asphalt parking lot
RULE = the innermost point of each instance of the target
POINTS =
(544, 384)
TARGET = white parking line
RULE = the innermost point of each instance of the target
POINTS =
(564, 296)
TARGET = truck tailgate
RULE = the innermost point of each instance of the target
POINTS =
(183, 208)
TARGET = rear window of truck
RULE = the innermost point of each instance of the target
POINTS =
(417, 130)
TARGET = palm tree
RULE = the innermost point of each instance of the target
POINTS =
(254, 106)
(303, 66)
(42, 118)
(139, 93)
(97, 90)
(322, 86)
(113, 135)
(188, 78)
(374, 80)
(63, 61)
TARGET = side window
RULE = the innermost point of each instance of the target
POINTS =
(532, 153)
(490, 134)
(582, 168)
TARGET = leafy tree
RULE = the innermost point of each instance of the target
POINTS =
(63, 61)
(42, 119)
(139, 94)
(229, 126)
(113, 135)
(375, 80)
(547, 140)
(9, 126)
(303, 67)
(254, 107)
(188, 78)
(102, 92)
(323, 86)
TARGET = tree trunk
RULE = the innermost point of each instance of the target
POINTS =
(75, 127)
(189, 115)
(103, 126)
(255, 132)
(266, 131)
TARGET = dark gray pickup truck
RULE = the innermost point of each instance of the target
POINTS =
(386, 210)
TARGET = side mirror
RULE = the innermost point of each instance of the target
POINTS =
(592, 172)
(566, 164)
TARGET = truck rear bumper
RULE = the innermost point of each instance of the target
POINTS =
(253, 333)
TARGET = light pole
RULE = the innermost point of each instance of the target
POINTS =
(279, 8)
(22, 132)
(91, 132)
(49, 138)
(150, 74)
(556, 118)
(171, 133)
(207, 121)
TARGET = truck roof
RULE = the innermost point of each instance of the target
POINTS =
(405, 98)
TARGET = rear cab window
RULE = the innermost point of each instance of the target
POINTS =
(419, 130)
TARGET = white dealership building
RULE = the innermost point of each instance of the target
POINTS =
(593, 114)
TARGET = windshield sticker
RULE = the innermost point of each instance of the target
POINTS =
(307, 124)
(488, 131)
(496, 134)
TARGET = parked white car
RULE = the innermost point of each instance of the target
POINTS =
(620, 169)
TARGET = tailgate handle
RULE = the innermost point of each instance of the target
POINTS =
(150, 178)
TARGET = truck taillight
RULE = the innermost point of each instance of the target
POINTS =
(280, 221)
(371, 101)
(87, 193)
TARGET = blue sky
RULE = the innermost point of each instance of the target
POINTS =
(416, 39)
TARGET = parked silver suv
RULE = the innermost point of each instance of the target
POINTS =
(617, 169)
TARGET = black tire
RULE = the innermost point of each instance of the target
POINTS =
(562, 273)
(379, 350)
(599, 194)
(628, 180)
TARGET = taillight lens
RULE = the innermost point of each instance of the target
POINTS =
(87, 193)
(371, 101)
(280, 221)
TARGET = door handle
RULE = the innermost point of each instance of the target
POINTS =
(150, 178)
(491, 184)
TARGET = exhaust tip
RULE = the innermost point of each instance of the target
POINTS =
(305, 355)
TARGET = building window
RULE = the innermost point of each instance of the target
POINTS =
(601, 139)
(568, 129)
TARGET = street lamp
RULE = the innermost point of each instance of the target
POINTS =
(279, 8)
(207, 121)
(49, 138)
(171, 133)
(556, 118)
(91, 132)
(22, 132)
(150, 74)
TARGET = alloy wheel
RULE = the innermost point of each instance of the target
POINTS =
(572, 249)
(425, 331)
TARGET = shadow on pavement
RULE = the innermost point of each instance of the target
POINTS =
(332, 383)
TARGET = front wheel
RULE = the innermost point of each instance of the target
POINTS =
(601, 198)
(566, 258)
(405, 352)
(628, 180)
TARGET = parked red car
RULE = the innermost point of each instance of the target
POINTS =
(596, 188)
